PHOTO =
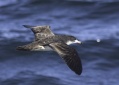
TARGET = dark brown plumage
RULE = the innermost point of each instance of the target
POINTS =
(45, 40)
(69, 55)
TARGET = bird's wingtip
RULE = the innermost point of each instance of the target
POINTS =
(28, 26)
(78, 73)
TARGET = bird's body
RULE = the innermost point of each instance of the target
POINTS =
(45, 40)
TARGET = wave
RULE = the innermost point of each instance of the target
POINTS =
(102, 1)
(7, 2)
(21, 67)
(81, 20)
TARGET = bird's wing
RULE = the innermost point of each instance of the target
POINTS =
(29, 47)
(40, 32)
(69, 55)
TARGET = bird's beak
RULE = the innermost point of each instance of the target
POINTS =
(77, 41)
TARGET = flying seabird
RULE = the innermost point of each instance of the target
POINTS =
(46, 40)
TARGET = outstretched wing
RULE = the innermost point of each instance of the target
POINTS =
(34, 46)
(69, 55)
(40, 32)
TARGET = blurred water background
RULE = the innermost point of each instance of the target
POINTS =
(87, 20)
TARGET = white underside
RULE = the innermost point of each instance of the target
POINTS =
(69, 43)
(72, 42)
(43, 48)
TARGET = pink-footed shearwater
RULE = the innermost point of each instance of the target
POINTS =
(46, 40)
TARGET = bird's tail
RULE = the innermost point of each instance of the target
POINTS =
(23, 48)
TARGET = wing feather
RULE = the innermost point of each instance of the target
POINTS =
(69, 55)
(40, 32)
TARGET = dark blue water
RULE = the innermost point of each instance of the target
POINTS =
(88, 20)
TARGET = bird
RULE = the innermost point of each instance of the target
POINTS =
(46, 40)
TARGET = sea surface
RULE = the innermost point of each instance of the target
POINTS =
(94, 22)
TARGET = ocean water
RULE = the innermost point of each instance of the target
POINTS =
(88, 20)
